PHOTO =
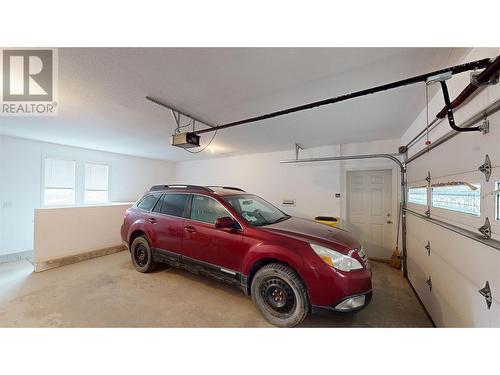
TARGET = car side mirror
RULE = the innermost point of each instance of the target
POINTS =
(225, 222)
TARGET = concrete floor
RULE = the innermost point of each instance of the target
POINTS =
(108, 292)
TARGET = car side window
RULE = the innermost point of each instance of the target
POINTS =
(173, 204)
(206, 209)
(148, 202)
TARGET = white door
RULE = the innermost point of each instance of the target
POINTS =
(369, 197)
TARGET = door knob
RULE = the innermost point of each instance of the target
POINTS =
(389, 222)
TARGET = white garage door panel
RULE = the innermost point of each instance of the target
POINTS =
(495, 314)
(465, 152)
(458, 267)
(471, 259)
(454, 301)
(418, 263)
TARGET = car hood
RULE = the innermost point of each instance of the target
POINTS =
(311, 231)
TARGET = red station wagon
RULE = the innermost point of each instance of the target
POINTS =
(288, 265)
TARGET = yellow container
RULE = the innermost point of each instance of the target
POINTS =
(328, 220)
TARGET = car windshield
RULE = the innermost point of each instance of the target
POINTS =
(255, 210)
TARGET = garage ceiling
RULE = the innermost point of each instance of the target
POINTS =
(102, 104)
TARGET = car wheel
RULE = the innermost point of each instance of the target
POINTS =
(280, 295)
(142, 257)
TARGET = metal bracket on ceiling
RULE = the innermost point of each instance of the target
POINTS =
(486, 168)
(297, 149)
(439, 77)
(429, 283)
(178, 114)
(485, 230)
(486, 293)
(428, 248)
(492, 81)
(484, 127)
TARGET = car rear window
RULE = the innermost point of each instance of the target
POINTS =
(148, 202)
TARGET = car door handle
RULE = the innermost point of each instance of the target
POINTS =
(189, 229)
(152, 220)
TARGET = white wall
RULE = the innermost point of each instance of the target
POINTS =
(458, 266)
(62, 232)
(20, 183)
(312, 185)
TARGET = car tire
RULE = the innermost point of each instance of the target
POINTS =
(280, 295)
(142, 256)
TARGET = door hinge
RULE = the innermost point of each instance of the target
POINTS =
(486, 168)
(428, 248)
(486, 293)
(486, 229)
(428, 178)
(428, 213)
(429, 283)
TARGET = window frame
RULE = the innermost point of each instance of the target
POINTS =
(84, 182)
(420, 208)
(426, 188)
(455, 210)
(459, 218)
(43, 186)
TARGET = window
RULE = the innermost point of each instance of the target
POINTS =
(207, 209)
(148, 202)
(464, 198)
(417, 195)
(172, 204)
(59, 182)
(96, 183)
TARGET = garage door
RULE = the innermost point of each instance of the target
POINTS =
(450, 198)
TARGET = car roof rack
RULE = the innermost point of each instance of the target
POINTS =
(226, 187)
(178, 186)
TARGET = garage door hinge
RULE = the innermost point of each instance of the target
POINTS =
(486, 293)
(486, 168)
(428, 248)
(428, 213)
(428, 178)
(486, 230)
(429, 283)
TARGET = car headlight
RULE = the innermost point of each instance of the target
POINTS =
(335, 259)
